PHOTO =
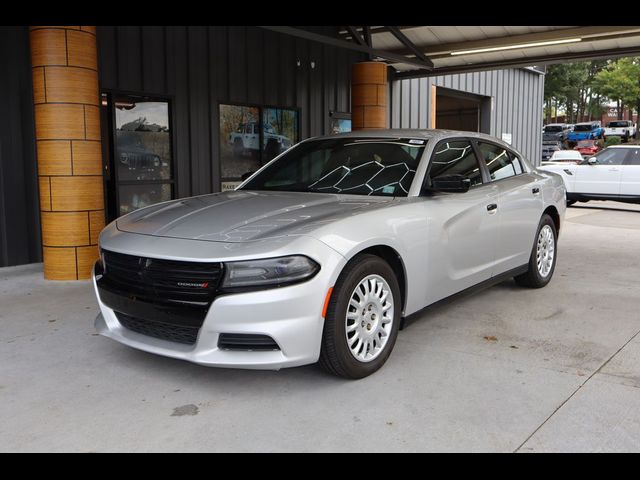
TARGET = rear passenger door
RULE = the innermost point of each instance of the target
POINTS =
(630, 178)
(520, 205)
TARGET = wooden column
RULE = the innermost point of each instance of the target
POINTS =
(369, 88)
(67, 117)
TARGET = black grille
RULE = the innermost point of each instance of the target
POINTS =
(164, 331)
(162, 281)
(243, 341)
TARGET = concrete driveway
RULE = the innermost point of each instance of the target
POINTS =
(508, 369)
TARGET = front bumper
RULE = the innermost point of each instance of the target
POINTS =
(292, 316)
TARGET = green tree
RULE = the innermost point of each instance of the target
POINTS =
(620, 82)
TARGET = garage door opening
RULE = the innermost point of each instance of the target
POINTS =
(457, 110)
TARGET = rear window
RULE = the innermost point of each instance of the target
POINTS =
(618, 124)
(583, 128)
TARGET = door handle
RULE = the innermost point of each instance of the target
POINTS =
(535, 190)
(492, 207)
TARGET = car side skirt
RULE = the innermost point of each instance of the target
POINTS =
(409, 319)
(581, 197)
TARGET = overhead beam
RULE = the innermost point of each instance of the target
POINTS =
(588, 33)
(335, 42)
(366, 33)
(409, 44)
(355, 36)
(521, 62)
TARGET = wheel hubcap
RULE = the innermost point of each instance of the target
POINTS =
(369, 318)
(545, 251)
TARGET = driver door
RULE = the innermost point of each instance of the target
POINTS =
(602, 177)
(463, 227)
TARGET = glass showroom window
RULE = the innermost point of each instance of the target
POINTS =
(250, 137)
(142, 146)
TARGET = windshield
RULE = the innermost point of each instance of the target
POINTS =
(618, 124)
(552, 128)
(583, 128)
(586, 143)
(357, 166)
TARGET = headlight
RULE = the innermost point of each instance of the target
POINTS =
(270, 272)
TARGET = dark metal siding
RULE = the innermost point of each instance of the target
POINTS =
(19, 217)
(203, 66)
(516, 95)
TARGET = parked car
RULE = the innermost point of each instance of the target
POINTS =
(246, 139)
(548, 149)
(625, 129)
(321, 254)
(555, 132)
(611, 174)
(587, 148)
(565, 156)
(586, 131)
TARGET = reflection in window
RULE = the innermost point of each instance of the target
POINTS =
(239, 143)
(133, 197)
(456, 158)
(142, 151)
(279, 131)
(143, 140)
(611, 156)
(498, 161)
(358, 166)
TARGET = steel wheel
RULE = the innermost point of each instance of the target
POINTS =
(545, 251)
(369, 318)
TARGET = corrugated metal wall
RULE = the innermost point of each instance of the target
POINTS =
(202, 66)
(517, 100)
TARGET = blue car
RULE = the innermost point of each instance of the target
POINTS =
(586, 131)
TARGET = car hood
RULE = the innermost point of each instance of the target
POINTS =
(241, 216)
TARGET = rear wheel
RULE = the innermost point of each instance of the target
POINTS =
(542, 261)
(362, 319)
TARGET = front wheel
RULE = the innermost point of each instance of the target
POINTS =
(542, 261)
(362, 319)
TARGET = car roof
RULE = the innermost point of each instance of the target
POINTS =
(428, 134)
(588, 123)
(623, 146)
(555, 124)
(567, 154)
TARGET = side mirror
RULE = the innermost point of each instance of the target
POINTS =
(451, 183)
(246, 175)
(592, 160)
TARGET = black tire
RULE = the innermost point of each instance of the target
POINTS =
(335, 354)
(532, 277)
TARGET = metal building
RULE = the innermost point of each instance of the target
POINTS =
(504, 103)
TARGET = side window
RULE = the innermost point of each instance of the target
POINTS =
(456, 158)
(498, 161)
(517, 163)
(633, 157)
(612, 156)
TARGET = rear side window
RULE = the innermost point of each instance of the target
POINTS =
(456, 158)
(499, 162)
(633, 157)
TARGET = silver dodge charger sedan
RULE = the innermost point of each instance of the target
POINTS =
(325, 251)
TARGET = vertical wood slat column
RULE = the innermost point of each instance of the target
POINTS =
(67, 117)
(369, 86)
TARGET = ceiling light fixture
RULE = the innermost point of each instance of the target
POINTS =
(513, 47)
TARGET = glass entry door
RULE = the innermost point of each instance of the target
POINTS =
(141, 170)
